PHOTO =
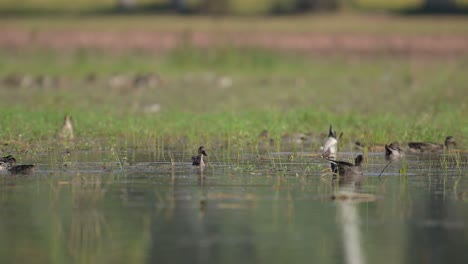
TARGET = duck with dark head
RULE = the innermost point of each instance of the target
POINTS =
(8, 163)
(198, 160)
(393, 151)
(343, 168)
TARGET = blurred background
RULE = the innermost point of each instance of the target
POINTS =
(227, 7)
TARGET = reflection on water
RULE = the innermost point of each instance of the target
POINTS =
(347, 198)
(438, 231)
(350, 222)
(242, 210)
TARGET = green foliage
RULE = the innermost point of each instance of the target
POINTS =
(229, 96)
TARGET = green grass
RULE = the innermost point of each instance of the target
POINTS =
(378, 99)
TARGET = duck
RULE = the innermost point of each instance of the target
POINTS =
(295, 138)
(432, 147)
(393, 151)
(198, 160)
(21, 169)
(372, 148)
(67, 128)
(8, 163)
(264, 138)
(330, 147)
(343, 168)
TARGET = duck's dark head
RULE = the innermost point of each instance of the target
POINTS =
(450, 141)
(359, 144)
(201, 150)
(358, 160)
(7, 162)
(395, 146)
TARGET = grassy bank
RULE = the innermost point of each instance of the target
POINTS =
(229, 96)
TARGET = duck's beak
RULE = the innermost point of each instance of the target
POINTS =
(204, 153)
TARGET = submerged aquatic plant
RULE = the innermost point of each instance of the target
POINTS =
(404, 168)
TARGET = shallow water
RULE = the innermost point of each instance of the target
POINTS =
(93, 207)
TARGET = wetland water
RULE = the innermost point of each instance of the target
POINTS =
(240, 209)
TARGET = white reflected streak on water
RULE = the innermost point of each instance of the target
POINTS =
(349, 217)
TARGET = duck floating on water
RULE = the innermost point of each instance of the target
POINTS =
(432, 147)
(343, 168)
(8, 163)
(393, 151)
(198, 160)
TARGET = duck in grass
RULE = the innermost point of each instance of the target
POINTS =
(330, 147)
(67, 128)
(343, 168)
(370, 147)
(393, 151)
(432, 147)
(198, 160)
(8, 163)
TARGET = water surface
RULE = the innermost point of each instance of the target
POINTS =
(91, 207)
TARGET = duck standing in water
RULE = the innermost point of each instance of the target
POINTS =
(432, 147)
(343, 168)
(393, 151)
(198, 160)
(67, 128)
(330, 147)
(9, 163)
